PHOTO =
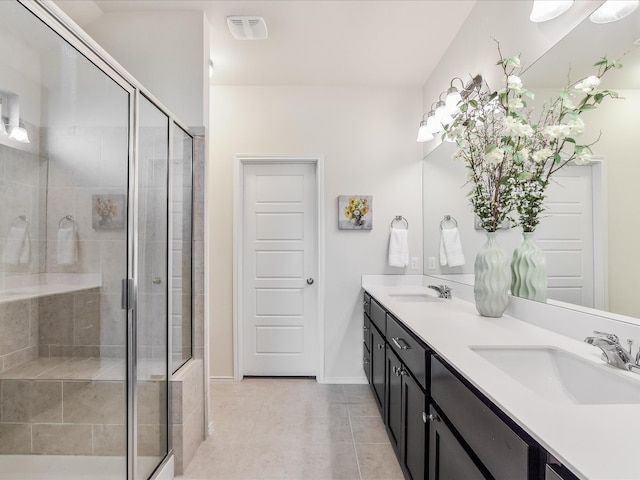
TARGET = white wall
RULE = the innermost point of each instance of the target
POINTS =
(367, 137)
(166, 51)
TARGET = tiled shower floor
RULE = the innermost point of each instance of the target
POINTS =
(297, 429)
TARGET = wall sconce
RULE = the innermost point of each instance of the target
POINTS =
(544, 10)
(612, 11)
(444, 110)
(11, 123)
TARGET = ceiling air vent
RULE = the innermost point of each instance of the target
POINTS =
(247, 27)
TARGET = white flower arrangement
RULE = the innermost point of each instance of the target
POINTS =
(511, 158)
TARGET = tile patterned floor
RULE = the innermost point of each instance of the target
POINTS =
(294, 429)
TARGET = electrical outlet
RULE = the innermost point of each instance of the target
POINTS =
(414, 263)
(431, 263)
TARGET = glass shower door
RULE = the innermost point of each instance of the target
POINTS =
(152, 287)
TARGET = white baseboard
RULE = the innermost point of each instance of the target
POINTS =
(346, 380)
(221, 378)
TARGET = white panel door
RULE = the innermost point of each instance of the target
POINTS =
(279, 269)
(566, 234)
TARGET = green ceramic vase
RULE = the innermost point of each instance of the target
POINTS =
(529, 270)
(492, 279)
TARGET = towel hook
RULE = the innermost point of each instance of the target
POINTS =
(67, 218)
(448, 218)
(400, 218)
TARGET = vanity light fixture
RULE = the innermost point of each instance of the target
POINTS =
(545, 10)
(19, 134)
(453, 95)
(613, 10)
(424, 135)
(11, 123)
(444, 110)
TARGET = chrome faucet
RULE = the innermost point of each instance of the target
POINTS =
(612, 352)
(443, 290)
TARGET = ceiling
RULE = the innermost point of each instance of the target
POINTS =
(316, 42)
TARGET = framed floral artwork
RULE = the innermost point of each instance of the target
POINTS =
(355, 212)
(108, 212)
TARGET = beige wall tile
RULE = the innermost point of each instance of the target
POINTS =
(109, 440)
(152, 440)
(46, 401)
(56, 320)
(152, 396)
(14, 401)
(86, 315)
(62, 439)
(14, 327)
(15, 438)
(94, 402)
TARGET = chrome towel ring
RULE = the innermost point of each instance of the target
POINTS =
(400, 218)
(448, 219)
(67, 219)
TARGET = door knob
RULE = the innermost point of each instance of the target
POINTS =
(310, 281)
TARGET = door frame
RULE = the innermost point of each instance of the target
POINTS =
(238, 210)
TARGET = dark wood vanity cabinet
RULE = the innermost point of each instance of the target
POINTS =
(440, 426)
(448, 459)
(502, 451)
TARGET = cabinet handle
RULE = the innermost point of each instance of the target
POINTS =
(365, 304)
(397, 371)
(365, 328)
(397, 341)
(432, 417)
(365, 360)
(380, 347)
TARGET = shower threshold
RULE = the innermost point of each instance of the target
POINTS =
(68, 467)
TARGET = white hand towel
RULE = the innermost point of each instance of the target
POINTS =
(15, 246)
(67, 246)
(398, 248)
(451, 252)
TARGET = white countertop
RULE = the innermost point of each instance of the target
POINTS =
(24, 287)
(596, 442)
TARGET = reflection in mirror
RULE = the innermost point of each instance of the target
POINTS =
(590, 225)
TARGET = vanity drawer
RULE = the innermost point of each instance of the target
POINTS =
(377, 315)
(410, 350)
(505, 454)
(366, 303)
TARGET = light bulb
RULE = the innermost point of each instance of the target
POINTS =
(612, 11)
(19, 134)
(453, 97)
(424, 135)
(544, 10)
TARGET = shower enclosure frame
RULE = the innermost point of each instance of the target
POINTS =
(61, 24)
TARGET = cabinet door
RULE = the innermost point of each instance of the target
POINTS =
(393, 417)
(448, 460)
(377, 366)
(415, 429)
(366, 362)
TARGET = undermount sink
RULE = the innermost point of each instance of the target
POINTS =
(415, 297)
(561, 377)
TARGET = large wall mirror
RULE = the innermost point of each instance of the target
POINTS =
(592, 224)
